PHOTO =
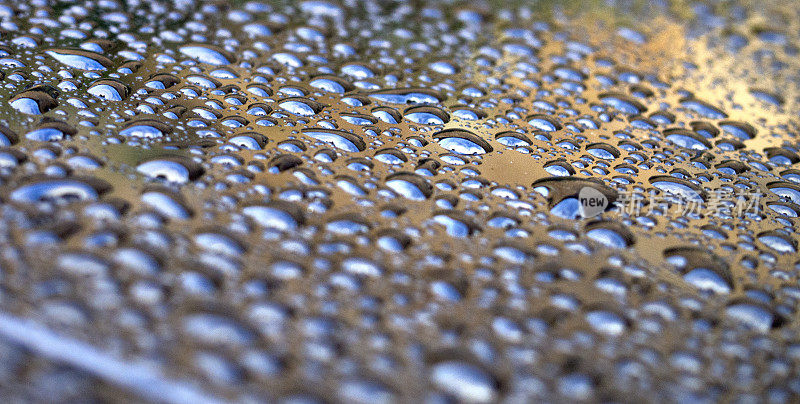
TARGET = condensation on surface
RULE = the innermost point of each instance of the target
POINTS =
(378, 201)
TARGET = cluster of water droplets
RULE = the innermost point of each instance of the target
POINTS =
(319, 201)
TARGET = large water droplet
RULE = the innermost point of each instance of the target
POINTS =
(207, 54)
(465, 382)
(80, 59)
(462, 142)
(341, 139)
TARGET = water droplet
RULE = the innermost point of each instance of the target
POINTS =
(59, 191)
(207, 54)
(411, 186)
(341, 139)
(171, 169)
(80, 59)
(465, 382)
(462, 142)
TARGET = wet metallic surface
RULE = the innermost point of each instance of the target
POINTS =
(379, 201)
